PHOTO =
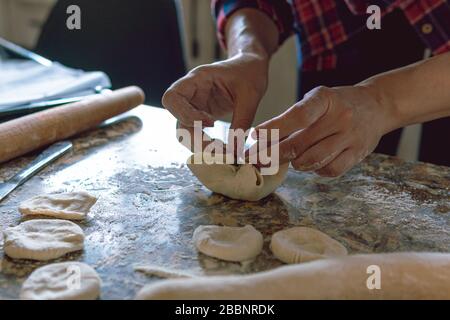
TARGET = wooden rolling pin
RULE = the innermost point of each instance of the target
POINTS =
(23, 135)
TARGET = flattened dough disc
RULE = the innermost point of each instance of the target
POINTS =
(71, 206)
(300, 244)
(62, 281)
(42, 239)
(229, 243)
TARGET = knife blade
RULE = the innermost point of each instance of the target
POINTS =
(49, 155)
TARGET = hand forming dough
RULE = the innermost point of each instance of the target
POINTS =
(229, 243)
(403, 276)
(62, 281)
(72, 206)
(300, 244)
(242, 182)
(42, 239)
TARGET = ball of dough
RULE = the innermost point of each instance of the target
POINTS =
(62, 281)
(241, 182)
(72, 206)
(229, 243)
(44, 239)
(300, 244)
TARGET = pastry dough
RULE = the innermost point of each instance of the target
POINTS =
(44, 239)
(242, 182)
(229, 243)
(62, 281)
(403, 276)
(72, 206)
(162, 272)
(300, 244)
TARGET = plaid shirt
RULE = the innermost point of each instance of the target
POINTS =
(322, 25)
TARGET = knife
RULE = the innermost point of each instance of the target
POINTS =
(49, 155)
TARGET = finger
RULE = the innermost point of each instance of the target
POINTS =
(186, 86)
(202, 95)
(260, 155)
(340, 165)
(178, 100)
(184, 111)
(200, 89)
(196, 140)
(292, 147)
(321, 154)
(260, 146)
(296, 144)
(220, 102)
(299, 116)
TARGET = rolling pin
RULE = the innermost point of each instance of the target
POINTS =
(31, 132)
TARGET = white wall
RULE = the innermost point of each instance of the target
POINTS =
(3, 20)
(282, 91)
(21, 20)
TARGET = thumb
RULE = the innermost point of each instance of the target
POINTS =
(300, 116)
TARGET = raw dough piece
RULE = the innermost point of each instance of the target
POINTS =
(403, 276)
(229, 243)
(162, 272)
(300, 244)
(242, 182)
(42, 239)
(72, 206)
(62, 281)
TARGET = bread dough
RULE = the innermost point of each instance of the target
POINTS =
(42, 239)
(242, 182)
(72, 206)
(228, 243)
(62, 281)
(162, 272)
(403, 276)
(300, 244)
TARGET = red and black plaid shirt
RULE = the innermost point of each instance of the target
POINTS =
(324, 24)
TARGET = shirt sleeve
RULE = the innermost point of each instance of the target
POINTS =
(278, 10)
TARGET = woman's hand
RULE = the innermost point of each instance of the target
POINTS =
(331, 129)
